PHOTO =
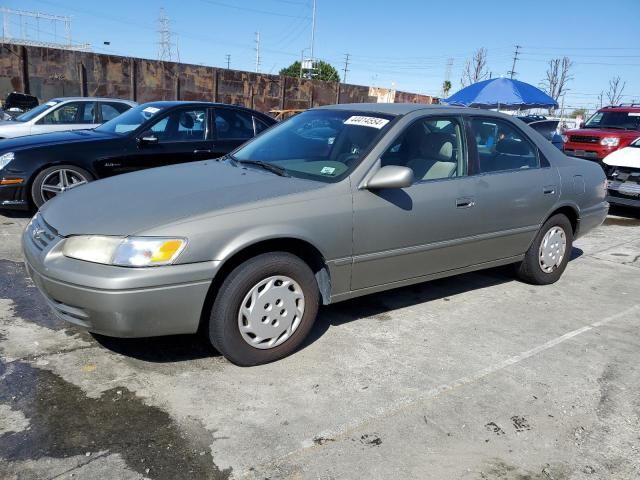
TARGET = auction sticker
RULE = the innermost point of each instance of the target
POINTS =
(151, 110)
(327, 170)
(364, 121)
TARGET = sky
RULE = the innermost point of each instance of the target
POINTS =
(404, 44)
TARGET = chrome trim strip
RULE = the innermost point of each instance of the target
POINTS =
(443, 244)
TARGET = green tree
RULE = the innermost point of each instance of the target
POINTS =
(323, 71)
(446, 86)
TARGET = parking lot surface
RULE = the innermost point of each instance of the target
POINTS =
(477, 376)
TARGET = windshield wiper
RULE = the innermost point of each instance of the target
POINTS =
(266, 166)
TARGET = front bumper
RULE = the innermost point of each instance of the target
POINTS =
(118, 301)
(13, 197)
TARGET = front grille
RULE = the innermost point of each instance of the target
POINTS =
(584, 139)
(41, 233)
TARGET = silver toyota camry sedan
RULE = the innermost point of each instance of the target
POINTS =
(334, 203)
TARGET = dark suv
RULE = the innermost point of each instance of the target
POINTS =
(609, 129)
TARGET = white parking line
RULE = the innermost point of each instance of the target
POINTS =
(436, 391)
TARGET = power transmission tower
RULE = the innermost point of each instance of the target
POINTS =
(228, 58)
(513, 72)
(447, 72)
(313, 32)
(257, 49)
(164, 43)
(22, 17)
(346, 67)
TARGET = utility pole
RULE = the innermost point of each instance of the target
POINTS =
(164, 44)
(313, 33)
(600, 97)
(228, 58)
(515, 59)
(346, 67)
(257, 52)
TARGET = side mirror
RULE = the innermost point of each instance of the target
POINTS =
(581, 125)
(391, 176)
(147, 138)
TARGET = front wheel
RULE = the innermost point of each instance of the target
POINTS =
(55, 180)
(549, 253)
(264, 309)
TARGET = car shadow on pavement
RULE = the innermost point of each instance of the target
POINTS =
(17, 213)
(169, 349)
(629, 216)
(379, 305)
(179, 348)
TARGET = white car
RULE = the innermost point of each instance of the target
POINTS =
(68, 113)
(623, 175)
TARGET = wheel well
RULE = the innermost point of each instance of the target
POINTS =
(44, 167)
(570, 213)
(300, 248)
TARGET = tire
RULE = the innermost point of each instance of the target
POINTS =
(226, 315)
(70, 171)
(545, 270)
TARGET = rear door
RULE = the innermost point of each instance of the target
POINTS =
(110, 110)
(233, 127)
(514, 186)
(68, 116)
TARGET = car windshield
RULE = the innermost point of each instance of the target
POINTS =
(317, 144)
(621, 120)
(129, 120)
(34, 112)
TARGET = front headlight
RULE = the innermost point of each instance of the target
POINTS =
(5, 159)
(610, 141)
(125, 252)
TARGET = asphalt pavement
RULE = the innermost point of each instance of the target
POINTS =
(477, 376)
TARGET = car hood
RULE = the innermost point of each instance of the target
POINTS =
(604, 132)
(625, 157)
(49, 139)
(136, 202)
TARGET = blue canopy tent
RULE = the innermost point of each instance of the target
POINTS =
(502, 93)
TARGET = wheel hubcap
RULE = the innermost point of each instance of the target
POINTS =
(60, 181)
(271, 312)
(552, 249)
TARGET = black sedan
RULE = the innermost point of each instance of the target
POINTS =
(35, 168)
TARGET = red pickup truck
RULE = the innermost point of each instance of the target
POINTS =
(609, 129)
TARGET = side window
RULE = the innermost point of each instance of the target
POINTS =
(181, 126)
(231, 124)
(112, 110)
(88, 114)
(502, 147)
(431, 147)
(69, 113)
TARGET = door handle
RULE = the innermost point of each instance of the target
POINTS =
(465, 203)
(196, 152)
(549, 190)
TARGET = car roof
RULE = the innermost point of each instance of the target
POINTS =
(405, 108)
(175, 103)
(621, 108)
(91, 99)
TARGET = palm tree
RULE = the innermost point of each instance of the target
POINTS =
(446, 86)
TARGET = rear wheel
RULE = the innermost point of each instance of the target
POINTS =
(549, 253)
(53, 181)
(264, 309)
